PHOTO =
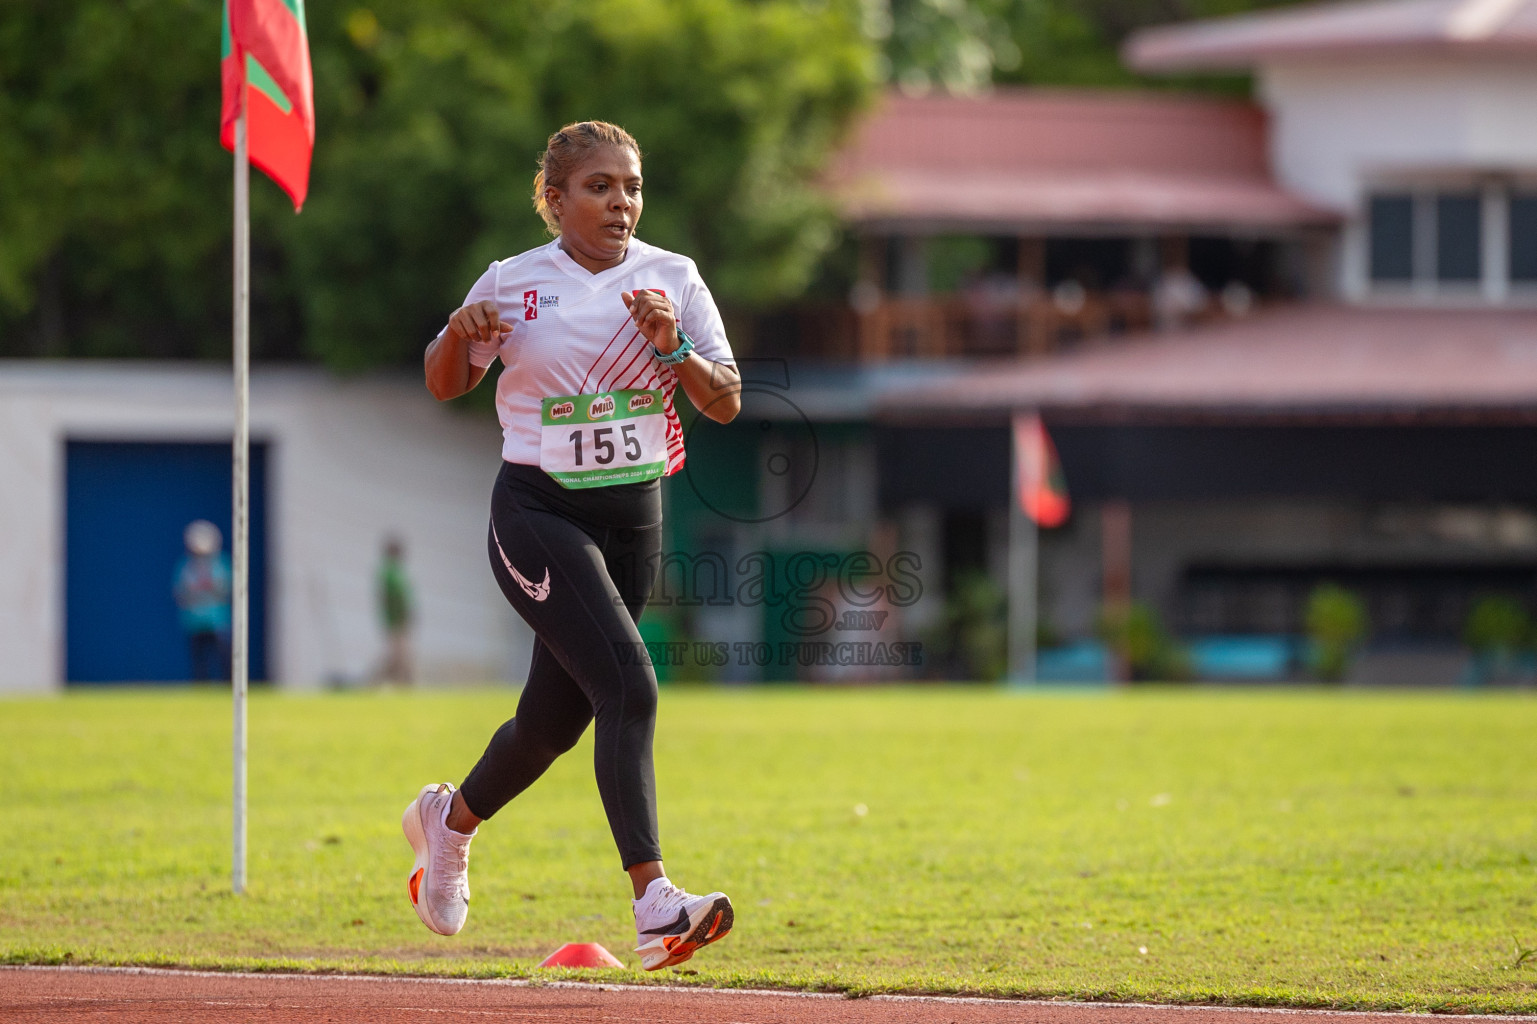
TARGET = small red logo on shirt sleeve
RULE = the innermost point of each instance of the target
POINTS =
(531, 305)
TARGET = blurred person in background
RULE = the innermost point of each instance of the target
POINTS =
(202, 590)
(1178, 296)
(396, 613)
(595, 331)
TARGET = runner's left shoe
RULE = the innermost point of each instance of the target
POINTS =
(670, 923)
(439, 883)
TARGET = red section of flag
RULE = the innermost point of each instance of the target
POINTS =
(279, 143)
(1042, 487)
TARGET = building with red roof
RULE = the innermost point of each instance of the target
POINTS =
(1279, 343)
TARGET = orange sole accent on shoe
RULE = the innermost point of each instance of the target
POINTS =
(415, 885)
(713, 925)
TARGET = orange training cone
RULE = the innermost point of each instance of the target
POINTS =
(581, 954)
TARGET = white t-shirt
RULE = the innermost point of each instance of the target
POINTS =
(573, 335)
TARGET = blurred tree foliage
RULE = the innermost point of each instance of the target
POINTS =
(964, 45)
(1336, 623)
(1136, 635)
(115, 209)
(114, 193)
(1498, 626)
(972, 642)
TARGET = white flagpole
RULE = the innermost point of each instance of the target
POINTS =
(240, 593)
(1023, 559)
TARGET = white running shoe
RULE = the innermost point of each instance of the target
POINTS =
(670, 923)
(439, 883)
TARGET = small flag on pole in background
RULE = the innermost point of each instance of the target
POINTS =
(265, 62)
(1042, 487)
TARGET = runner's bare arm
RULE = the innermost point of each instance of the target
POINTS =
(447, 361)
(714, 388)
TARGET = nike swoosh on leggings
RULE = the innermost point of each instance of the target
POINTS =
(537, 591)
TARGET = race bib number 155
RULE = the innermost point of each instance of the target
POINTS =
(617, 437)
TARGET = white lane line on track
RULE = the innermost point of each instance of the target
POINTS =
(592, 986)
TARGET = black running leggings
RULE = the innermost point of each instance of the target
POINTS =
(584, 562)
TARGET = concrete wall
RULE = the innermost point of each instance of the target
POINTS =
(1340, 126)
(349, 462)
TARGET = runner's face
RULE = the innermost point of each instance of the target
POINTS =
(600, 206)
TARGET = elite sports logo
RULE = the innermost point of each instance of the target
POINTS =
(531, 305)
(537, 591)
(641, 402)
(603, 405)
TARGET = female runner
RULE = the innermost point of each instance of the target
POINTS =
(595, 331)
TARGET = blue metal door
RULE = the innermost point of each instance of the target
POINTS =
(126, 505)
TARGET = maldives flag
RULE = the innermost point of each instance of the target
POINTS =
(1042, 487)
(265, 62)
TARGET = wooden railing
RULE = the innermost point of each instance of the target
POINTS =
(950, 325)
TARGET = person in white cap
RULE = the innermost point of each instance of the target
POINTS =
(202, 590)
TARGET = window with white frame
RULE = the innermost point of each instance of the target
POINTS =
(1523, 237)
(1453, 239)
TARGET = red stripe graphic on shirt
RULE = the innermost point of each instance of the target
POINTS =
(599, 385)
(647, 372)
(598, 360)
(621, 372)
(675, 454)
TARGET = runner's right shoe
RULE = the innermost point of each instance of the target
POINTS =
(670, 923)
(439, 882)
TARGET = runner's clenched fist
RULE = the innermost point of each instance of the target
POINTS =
(479, 321)
(652, 312)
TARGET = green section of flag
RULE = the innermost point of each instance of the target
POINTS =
(258, 78)
(255, 74)
(297, 7)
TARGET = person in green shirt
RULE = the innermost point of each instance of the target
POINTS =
(396, 612)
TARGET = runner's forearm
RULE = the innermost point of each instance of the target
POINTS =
(448, 369)
(714, 388)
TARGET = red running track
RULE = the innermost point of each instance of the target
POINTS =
(67, 995)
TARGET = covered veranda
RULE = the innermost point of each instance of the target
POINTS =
(1221, 471)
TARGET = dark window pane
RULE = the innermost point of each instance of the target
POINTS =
(1458, 237)
(1392, 241)
(1523, 237)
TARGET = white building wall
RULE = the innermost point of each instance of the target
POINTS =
(348, 463)
(1338, 126)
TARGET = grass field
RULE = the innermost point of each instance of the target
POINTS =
(1298, 848)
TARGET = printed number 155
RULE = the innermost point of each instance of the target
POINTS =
(603, 448)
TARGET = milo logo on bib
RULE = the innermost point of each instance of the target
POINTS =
(617, 437)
